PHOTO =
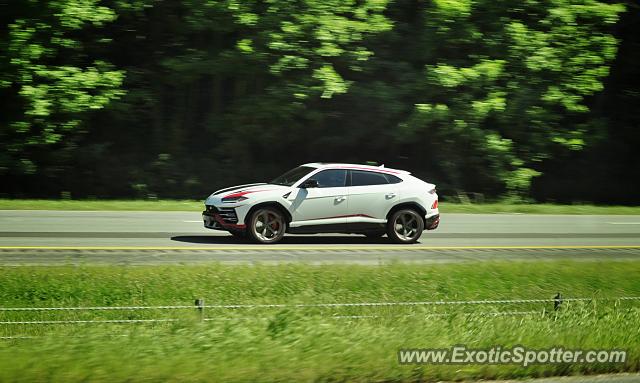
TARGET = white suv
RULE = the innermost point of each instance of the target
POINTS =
(327, 198)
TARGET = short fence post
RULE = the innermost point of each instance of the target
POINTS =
(557, 301)
(200, 306)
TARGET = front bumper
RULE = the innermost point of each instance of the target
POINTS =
(221, 219)
(432, 222)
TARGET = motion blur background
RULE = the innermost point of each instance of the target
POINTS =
(524, 100)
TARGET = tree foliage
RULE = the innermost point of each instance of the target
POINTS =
(175, 98)
(508, 82)
(50, 78)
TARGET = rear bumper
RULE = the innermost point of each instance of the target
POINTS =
(432, 222)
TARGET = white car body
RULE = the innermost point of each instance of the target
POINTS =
(329, 207)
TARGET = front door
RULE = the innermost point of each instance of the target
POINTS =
(325, 205)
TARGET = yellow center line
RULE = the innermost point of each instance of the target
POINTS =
(328, 247)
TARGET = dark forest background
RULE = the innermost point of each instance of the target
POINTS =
(523, 100)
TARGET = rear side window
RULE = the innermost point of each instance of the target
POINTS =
(363, 178)
(393, 179)
(332, 178)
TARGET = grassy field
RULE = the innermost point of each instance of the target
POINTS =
(309, 344)
(190, 205)
(122, 205)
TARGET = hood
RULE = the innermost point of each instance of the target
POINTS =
(242, 190)
(239, 187)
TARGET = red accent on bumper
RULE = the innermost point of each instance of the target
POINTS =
(222, 223)
(435, 205)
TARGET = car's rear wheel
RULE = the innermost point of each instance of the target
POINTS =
(405, 226)
(267, 225)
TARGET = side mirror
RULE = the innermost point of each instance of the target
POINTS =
(310, 183)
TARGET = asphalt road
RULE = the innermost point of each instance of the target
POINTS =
(51, 237)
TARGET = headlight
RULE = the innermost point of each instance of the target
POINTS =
(233, 199)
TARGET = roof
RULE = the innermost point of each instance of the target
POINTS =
(381, 168)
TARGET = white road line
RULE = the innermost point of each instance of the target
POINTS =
(623, 223)
(198, 221)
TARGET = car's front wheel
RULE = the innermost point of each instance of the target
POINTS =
(266, 225)
(405, 226)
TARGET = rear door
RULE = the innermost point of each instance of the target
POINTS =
(324, 205)
(371, 195)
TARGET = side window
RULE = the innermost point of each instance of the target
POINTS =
(393, 179)
(362, 178)
(332, 178)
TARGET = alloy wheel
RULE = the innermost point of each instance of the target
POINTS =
(405, 226)
(267, 225)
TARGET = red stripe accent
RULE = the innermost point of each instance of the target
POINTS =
(341, 216)
(378, 170)
(240, 194)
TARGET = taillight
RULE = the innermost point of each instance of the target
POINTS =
(435, 205)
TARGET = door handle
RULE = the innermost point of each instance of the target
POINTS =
(340, 198)
(391, 195)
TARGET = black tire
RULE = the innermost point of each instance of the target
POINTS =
(239, 234)
(273, 231)
(405, 226)
(375, 234)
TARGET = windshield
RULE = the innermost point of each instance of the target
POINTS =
(292, 176)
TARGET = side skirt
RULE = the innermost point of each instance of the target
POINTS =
(349, 228)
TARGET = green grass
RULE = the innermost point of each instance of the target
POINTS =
(196, 205)
(493, 208)
(135, 205)
(289, 344)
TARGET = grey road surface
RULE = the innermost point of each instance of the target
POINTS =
(49, 237)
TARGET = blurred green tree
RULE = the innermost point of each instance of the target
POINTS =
(504, 85)
(51, 77)
(475, 95)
